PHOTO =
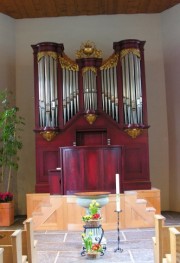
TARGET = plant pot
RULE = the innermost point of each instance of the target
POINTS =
(6, 214)
(92, 223)
(93, 255)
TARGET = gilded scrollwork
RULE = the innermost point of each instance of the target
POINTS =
(42, 54)
(126, 51)
(67, 63)
(110, 62)
(85, 69)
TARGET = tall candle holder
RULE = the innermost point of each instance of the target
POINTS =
(118, 233)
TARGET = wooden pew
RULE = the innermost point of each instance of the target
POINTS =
(13, 252)
(161, 241)
(28, 242)
(174, 256)
(1, 255)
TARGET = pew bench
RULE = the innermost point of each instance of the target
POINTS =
(28, 242)
(13, 252)
(174, 256)
(1, 255)
(161, 240)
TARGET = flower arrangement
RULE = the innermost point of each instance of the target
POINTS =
(6, 197)
(88, 244)
(93, 212)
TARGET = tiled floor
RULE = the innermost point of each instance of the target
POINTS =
(66, 247)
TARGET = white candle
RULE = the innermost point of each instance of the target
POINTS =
(117, 194)
(117, 183)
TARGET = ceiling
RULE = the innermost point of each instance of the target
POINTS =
(19, 9)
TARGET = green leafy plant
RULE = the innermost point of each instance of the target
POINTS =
(93, 212)
(10, 141)
(89, 245)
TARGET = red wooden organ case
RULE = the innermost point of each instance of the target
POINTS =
(90, 118)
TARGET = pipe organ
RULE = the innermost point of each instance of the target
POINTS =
(85, 104)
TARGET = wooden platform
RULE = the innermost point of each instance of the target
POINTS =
(61, 212)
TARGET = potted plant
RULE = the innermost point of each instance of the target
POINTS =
(93, 217)
(10, 143)
(92, 250)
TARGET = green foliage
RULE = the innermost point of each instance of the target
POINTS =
(93, 207)
(10, 141)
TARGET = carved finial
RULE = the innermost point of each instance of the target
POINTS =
(87, 50)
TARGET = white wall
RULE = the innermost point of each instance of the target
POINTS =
(103, 30)
(7, 53)
(171, 44)
(7, 63)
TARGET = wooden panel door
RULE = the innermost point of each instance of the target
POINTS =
(72, 164)
(90, 168)
(92, 173)
(112, 164)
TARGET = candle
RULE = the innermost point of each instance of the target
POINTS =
(117, 183)
(117, 194)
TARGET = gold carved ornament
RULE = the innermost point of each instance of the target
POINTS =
(134, 132)
(126, 51)
(42, 54)
(48, 135)
(88, 50)
(67, 63)
(110, 62)
(90, 117)
(85, 69)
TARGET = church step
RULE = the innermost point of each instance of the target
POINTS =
(65, 213)
(150, 209)
(141, 201)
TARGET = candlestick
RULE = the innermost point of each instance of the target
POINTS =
(118, 239)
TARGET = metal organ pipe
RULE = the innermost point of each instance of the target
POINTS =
(132, 93)
(48, 103)
(131, 87)
(109, 87)
(70, 87)
(109, 94)
(89, 89)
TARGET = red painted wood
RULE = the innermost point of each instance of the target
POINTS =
(55, 182)
(90, 168)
